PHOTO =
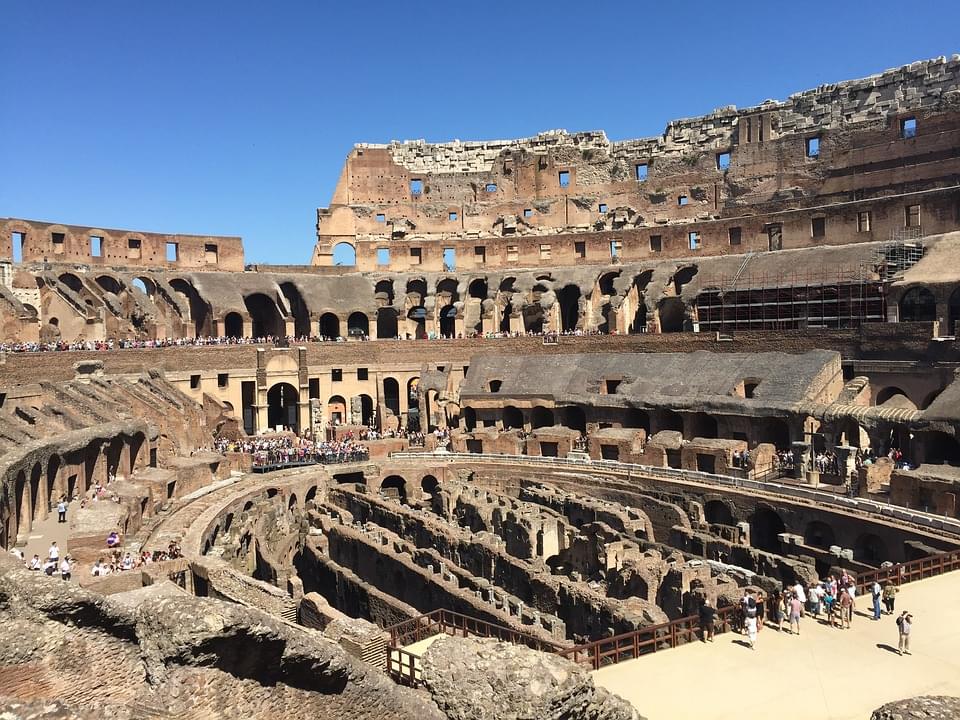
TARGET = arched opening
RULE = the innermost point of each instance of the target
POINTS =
(672, 314)
(53, 469)
(765, 525)
(774, 431)
(383, 293)
(575, 418)
(395, 487)
(413, 404)
(569, 300)
(298, 308)
(292, 502)
(541, 417)
(505, 313)
(669, 420)
(850, 433)
(233, 325)
(311, 495)
(953, 312)
(683, 276)
(818, 534)
(71, 281)
(512, 418)
(702, 425)
(358, 326)
(329, 326)
(386, 323)
(893, 395)
(144, 285)
(265, 316)
(429, 484)
(110, 284)
(391, 395)
(199, 309)
(448, 321)
(718, 512)
(636, 418)
(639, 322)
(19, 493)
(282, 411)
(337, 410)
(939, 448)
(35, 476)
(533, 318)
(344, 254)
(871, 550)
(478, 289)
(470, 418)
(605, 283)
(416, 291)
(418, 315)
(918, 305)
(366, 410)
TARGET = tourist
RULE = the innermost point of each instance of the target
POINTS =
(127, 563)
(904, 626)
(708, 615)
(796, 610)
(761, 600)
(875, 594)
(50, 567)
(801, 595)
(846, 609)
(814, 598)
(776, 609)
(54, 552)
(113, 539)
(35, 563)
(62, 510)
(889, 596)
(65, 567)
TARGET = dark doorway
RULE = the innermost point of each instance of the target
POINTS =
(282, 401)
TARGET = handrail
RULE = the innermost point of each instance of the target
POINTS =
(450, 622)
(940, 523)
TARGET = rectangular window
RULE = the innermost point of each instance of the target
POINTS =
(611, 386)
(383, 256)
(527, 212)
(911, 216)
(813, 147)
(313, 388)
(133, 247)
(96, 246)
(513, 253)
(694, 238)
(222, 380)
(818, 227)
(452, 216)
(416, 187)
(336, 374)
(381, 218)
(641, 171)
(363, 374)
(723, 160)
(736, 235)
(491, 187)
(18, 240)
(656, 243)
(211, 255)
(416, 256)
(480, 254)
(863, 221)
(580, 249)
(602, 208)
(194, 382)
(58, 242)
(615, 248)
(682, 200)
(449, 258)
(908, 128)
(544, 252)
(173, 252)
(564, 176)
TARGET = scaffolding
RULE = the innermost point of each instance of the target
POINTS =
(838, 299)
(905, 250)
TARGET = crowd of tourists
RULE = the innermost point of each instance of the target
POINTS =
(295, 449)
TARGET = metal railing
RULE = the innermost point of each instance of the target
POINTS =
(927, 521)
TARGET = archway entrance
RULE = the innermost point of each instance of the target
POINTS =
(765, 525)
(918, 305)
(233, 325)
(330, 326)
(282, 409)
(569, 299)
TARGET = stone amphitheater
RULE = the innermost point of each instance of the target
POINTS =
(531, 404)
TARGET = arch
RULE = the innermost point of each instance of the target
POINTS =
(53, 470)
(429, 484)
(144, 285)
(298, 308)
(605, 282)
(358, 325)
(478, 288)
(418, 288)
(110, 284)
(394, 486)
(701, 425)
(775, 431)
(470, 418)
(19, 493)
(282, 406)
(418, 315)
(918, 305)
(337, 410)
(265, 316)
(673, 314)
(36, 474)
(892, 393)
(717, 512)
(683, 276)
(329, 326)
(31, 310)
(447, 288)
(383, 293)
(575, 418)
(233, 325)
(311, 495)
(292, 502)
(199, 309)
(366, 410)
(765, 525)
(344, 253)
(569, 301)
(533, 317)
(818, 534)
(71, 281)
(391, 395)
(413, 404)
(639, 322)
(541, 417)
(512, 418)
(448, 321)
(870, 549)
(386, 323)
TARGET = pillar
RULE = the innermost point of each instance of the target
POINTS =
(801, 458)
(846, 460)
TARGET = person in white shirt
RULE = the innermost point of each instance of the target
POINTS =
(127, 562)
(54, 552)
(65, 567)
(35, 564)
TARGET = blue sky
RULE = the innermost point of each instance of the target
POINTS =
(235, 117)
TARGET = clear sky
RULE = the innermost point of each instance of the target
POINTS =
(234, 118)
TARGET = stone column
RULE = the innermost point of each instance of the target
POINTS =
(846, 458)
(801, 458)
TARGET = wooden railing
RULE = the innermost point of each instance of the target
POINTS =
(448, 622)
(910, 571)
(403, 666)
